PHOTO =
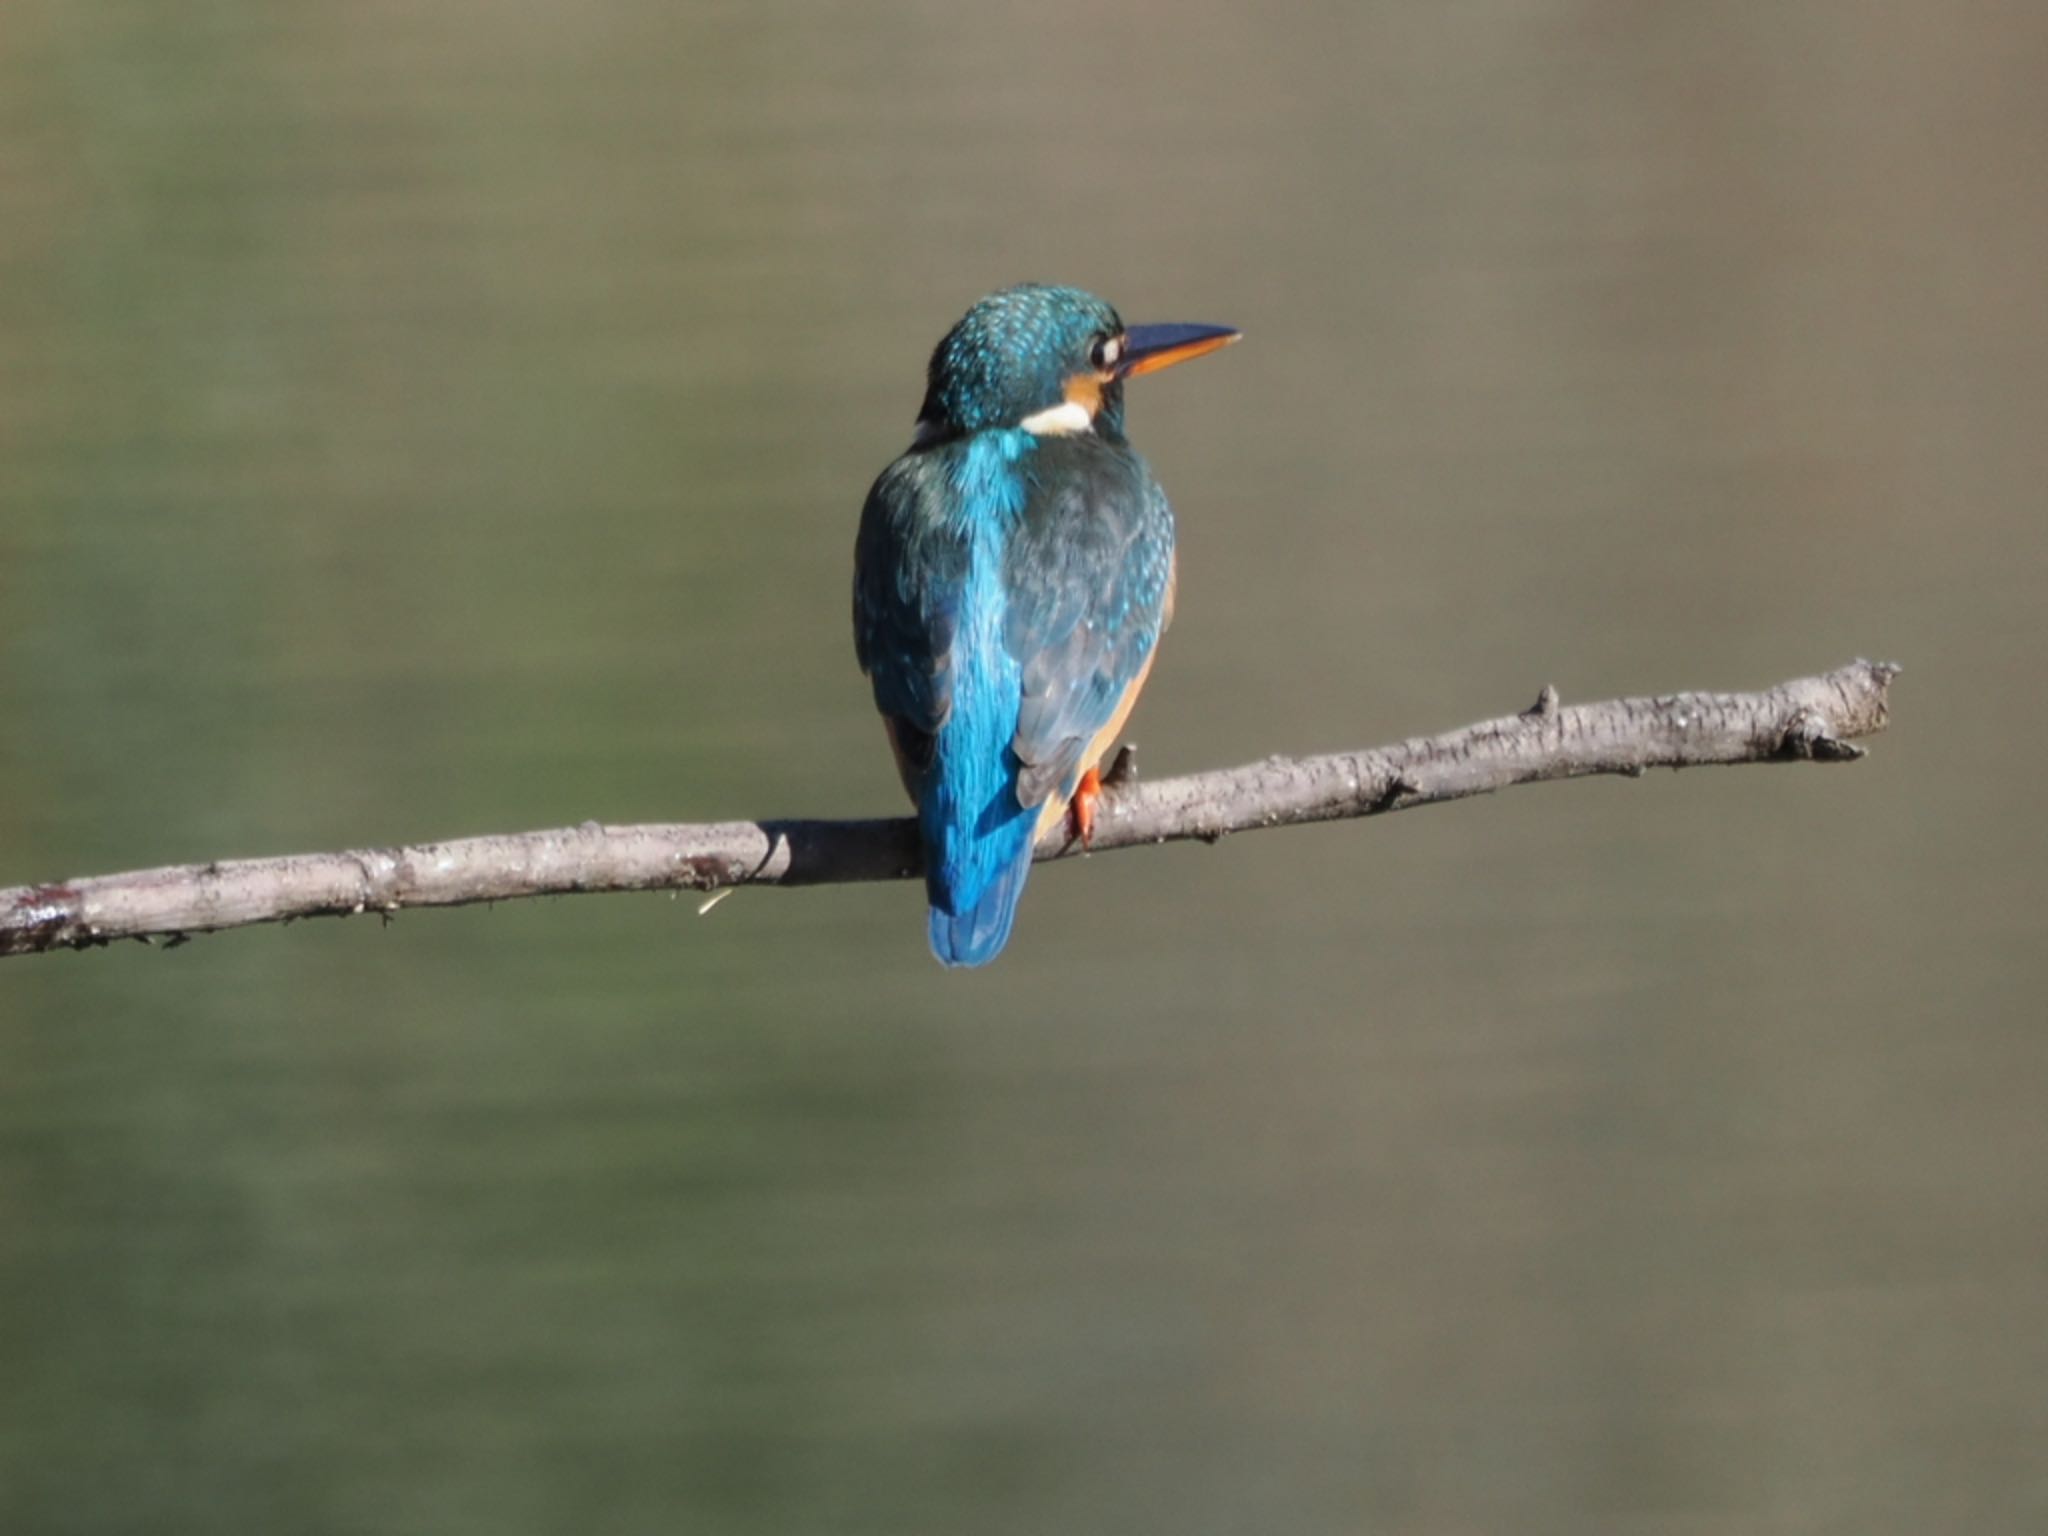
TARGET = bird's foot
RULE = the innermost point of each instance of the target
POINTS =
(1081, 809)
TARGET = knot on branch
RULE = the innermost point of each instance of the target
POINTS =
(1389, 797)
(1809, 738)
(43, 917)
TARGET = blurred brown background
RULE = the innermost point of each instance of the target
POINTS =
(419, 420)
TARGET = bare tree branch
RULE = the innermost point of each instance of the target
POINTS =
(1809, 719)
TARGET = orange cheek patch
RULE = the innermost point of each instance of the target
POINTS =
(1085, 390)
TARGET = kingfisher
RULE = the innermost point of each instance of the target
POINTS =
(1013, 573)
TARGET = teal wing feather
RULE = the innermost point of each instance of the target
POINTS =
(1088, 578)
(909, 568)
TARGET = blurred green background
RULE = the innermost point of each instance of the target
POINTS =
(419, 420)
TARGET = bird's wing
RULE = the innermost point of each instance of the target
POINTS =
(1088, 579)
(909, 566)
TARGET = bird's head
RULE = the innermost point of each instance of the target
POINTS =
(1050, 360)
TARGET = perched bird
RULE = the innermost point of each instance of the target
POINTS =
(1013, 574)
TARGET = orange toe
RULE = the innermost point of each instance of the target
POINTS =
(1081, 809)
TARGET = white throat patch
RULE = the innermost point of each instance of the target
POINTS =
(1059, 420)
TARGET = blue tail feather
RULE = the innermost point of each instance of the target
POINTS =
(970, 928)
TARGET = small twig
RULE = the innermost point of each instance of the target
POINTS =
(1810, 719)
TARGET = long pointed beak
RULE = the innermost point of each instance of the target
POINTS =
(1148, 348)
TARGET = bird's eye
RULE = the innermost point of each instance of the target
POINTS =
(1106, 353)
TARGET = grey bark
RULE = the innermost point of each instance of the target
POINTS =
(1808, 719)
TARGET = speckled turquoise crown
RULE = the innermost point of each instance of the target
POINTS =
(1011, 355)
